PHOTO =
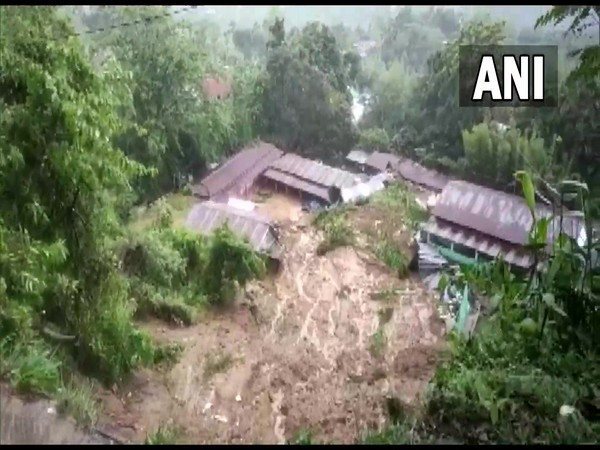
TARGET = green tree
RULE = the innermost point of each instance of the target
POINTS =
(374, 139)
(60, 179)
(493, 155)
(438, 120)
(584, 20)
(305, 103)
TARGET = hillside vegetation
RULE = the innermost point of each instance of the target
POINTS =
(96, 127)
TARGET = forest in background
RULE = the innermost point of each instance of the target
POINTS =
(96, 123)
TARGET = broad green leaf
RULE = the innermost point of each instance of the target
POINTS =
(528, 190)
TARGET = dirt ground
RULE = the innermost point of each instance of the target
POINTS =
(280, 207)
(320, 355)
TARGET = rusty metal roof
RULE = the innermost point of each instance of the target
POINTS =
(416, 173)
(321, 192)
(381, 161)
(511, 253)
(206, 217)
(315, 172)
(239, 172)
(497, 214)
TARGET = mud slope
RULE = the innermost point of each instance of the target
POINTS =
(306, 361)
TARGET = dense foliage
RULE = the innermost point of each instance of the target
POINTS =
(65, 277)
(95, 123)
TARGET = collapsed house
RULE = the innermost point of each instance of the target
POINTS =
(356, 159)
(381, 162)
(238, 174)
(407, 169)
(261, 233)
(308, 179)
(472, 224)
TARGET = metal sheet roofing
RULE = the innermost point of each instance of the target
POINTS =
(315, 172)
(381, 161)
(207, 216)
(357, 156)
(321, 192)
(497, 214)
(416, 173)
(511, 253)
(239, 172)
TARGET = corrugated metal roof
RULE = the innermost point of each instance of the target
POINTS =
(207, 216)
(497, 214)
(314, 172)
(321, 192)
(357, 156)
(215, 88)
(239, 172)
(381, 161)
(511, 253)
(416, 173)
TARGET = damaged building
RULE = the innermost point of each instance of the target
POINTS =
(472, 224)
(259, 231)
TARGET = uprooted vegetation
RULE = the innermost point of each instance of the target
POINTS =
(381, 225)
(531, 373)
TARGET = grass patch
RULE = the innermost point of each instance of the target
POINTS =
(336, 228)
(378, 343)
(32, 367)
(76, 399)
(397, 197)
(392, 256)
(164, 435)
(303, 437)
(167, 355)
(385, 294)
(216, 363)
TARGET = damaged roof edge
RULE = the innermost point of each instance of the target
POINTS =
(207, 216)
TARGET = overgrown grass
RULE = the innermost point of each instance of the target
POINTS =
(336, 228)
(76, 399)
(397, 197)
(392, 256)
(31, 366)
